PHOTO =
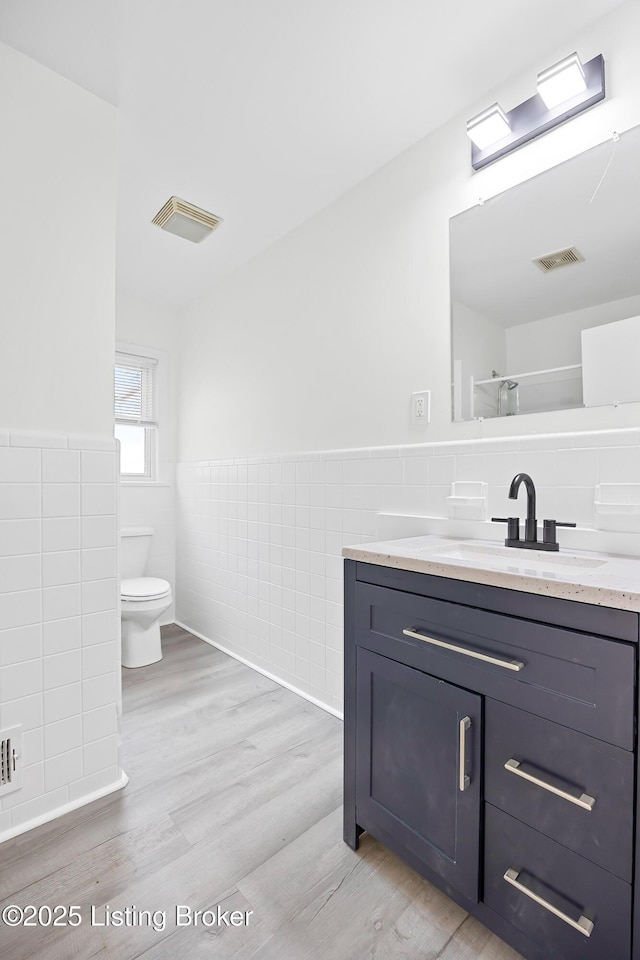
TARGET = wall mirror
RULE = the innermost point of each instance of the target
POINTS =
(545, 289)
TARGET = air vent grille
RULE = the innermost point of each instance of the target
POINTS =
(186, 220)
(174, 205)
(562, 258)
(10, 759)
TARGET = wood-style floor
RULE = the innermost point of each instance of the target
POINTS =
(234, 799)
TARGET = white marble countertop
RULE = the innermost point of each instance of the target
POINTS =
(608, 580)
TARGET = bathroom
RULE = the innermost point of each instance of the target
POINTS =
(284, 385)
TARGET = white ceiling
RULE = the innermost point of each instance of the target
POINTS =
(264, 111)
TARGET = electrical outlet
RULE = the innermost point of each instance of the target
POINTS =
(421, 406)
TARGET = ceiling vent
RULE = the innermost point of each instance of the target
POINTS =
(551, 261)
(186, 220)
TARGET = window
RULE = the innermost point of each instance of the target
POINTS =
(135, 425)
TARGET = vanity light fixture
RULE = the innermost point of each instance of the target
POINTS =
(562, 81)
(488, 127)
(564, 90)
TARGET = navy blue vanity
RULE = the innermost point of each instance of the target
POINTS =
(490, 741)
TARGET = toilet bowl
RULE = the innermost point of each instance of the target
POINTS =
(143, 600)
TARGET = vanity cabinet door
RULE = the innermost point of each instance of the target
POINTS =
(418, 765)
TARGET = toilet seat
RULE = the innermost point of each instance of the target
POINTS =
(144, 588)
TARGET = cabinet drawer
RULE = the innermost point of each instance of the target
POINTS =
(543, 757)
(556, 890)
(577, 679)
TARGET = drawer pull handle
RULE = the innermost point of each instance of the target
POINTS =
(465, 781)
(507, 664)
(583, 925)
(584, 800)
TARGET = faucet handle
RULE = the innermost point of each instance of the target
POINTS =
(513, 526)
(549, 529)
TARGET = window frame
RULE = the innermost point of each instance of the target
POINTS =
(149, 455)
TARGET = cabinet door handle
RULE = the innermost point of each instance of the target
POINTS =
(583, 925)
(584, 800)
(464, 780)
(507, 664)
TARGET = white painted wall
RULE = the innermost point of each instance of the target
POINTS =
(59, 649)
(153, 330)
(57, 251)
(319, 341)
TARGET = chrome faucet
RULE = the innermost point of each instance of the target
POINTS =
(530, 541)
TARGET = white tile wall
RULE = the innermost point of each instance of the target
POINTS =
(259, 569)
(60, 466)
(59, 658)
(100, 723)
(62, 534)
(61, 702)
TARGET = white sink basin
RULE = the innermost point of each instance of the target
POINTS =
(505, 558)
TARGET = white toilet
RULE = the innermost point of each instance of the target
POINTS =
(143, 600)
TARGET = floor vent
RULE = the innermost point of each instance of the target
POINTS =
(10, 759)
(562, 258)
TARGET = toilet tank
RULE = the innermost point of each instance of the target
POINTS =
(134, 551)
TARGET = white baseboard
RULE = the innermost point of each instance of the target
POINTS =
(265, 673)
(65, 808)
